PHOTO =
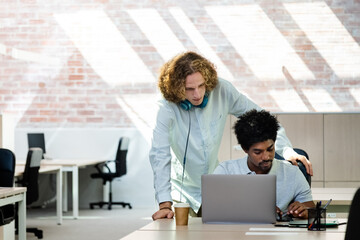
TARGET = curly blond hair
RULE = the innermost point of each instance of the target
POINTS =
(174, 72)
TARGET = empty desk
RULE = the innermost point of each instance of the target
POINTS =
(71, 165)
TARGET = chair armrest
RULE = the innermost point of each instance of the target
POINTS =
(99, 166)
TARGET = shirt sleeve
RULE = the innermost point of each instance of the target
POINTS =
(303, 193)
(239, 104)
(160, 155)
(282, 144)
(220, 169)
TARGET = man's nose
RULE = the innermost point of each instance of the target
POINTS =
(266, 156)
(196, 93)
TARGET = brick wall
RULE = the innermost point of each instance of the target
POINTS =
(72, 63)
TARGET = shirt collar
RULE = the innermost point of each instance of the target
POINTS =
(245, 167)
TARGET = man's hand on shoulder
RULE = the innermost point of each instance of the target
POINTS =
(302, 159)
(165, 211)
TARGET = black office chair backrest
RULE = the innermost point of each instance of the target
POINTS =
(300, 164)
(353, 224)
(31, 174)
(120, 160)
(7, 167)
(7, 171)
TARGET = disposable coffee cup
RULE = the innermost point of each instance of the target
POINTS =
(181, 213)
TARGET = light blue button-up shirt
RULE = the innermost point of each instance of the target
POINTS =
(206, 130)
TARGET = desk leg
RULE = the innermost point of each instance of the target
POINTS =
(22, 218)
(65, 192)
(75, 188)
(59, 196)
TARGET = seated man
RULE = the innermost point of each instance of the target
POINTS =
(256, 133)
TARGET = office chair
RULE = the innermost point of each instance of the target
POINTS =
(107, 175)
(7, 170)
(30, 181)
(300, 164)
(353, 223)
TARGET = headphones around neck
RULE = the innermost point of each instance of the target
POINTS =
(187, 105)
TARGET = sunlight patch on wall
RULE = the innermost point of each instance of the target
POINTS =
(245, 27)
(355, 92)
(200, 42)
(288, 100)
(321, 100)
(34, 57)
(28, 56)
(141, 109)
(329, 36)
(158, 32)
(40, 68)
(2, 49)
(104, 47)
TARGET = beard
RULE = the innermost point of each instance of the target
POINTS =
(266, 164)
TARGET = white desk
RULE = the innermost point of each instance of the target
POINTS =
(250, 235)
(166, 229)
(13, 195)
(195, 224)
(71, 165)
(339, 196)
(19, 170)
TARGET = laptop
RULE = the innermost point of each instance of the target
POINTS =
(238, 198)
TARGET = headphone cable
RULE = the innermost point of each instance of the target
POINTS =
(184, 163)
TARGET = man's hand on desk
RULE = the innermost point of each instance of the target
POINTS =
(302, 159)
(165, 211)
(298, 210)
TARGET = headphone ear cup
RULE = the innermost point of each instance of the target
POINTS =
(186, 105)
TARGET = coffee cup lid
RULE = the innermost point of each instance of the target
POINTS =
(181, 205)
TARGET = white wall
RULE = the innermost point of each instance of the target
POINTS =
(135, 187)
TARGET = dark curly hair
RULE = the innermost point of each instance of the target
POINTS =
(255, 126)
(174, 72)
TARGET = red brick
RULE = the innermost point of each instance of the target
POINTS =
(55, 120)
(75, 63)
(94, 120)
(76, 77)
(48, 112)
(37, 119)
(85, 112)
(76, 119)
(5, 91)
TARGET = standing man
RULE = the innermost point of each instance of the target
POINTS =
(256, 133)
(189, 129)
